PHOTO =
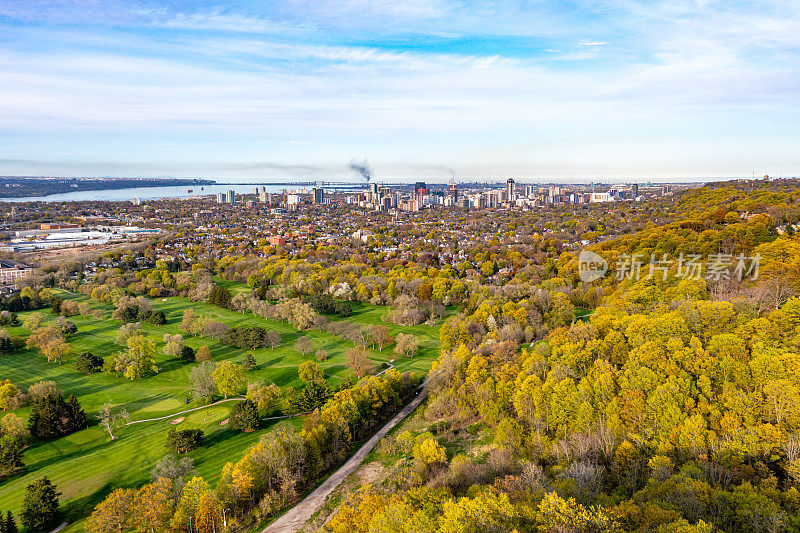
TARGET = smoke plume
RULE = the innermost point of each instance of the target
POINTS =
(362, 168)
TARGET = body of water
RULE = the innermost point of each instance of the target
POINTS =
(149, 193)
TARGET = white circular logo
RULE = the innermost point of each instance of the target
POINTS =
(591, 266)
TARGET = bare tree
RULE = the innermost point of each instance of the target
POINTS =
(273, 339)
(303, 345)
(111, 420)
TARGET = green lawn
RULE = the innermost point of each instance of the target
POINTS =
(88, 465)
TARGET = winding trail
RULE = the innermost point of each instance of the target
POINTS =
(296, 517)
(229, 400)
(183, 412)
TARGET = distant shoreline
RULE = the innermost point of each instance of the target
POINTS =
(12, 188)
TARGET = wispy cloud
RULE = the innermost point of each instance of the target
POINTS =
(292, 87)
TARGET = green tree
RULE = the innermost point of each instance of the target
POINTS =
(10, 456)
(249, 362)
(244, 416)
(10, 523)
(89, 363)
(40, 505)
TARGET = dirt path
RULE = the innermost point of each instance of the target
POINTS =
(296, 517)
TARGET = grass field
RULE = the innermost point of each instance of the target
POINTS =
(87, 465)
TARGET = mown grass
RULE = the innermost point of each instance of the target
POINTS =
(87, 465)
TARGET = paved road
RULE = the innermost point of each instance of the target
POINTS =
(296, 517)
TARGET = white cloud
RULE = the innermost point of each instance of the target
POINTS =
(241, 90)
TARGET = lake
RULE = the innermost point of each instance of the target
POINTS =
(148, 193)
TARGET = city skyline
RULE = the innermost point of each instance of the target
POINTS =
(566, 91)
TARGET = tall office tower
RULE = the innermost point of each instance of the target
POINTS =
(510, 190)
(319, 195)
(452, 190)
(231, 197)
(635, 190)
(419, 185)
(220, 197)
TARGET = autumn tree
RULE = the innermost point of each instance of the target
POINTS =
(407, 344)
(229, 378)
(358, 362)
(153, 505)
(381, 335)
(114, 514)
(264, 396)
(194, 489)
(174, 344)
(206, 515)
(203, 354)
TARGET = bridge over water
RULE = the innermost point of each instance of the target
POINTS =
(323, 184)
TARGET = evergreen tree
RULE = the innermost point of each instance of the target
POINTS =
(51, 417)
(187, 354)
(244, 416)
(10, 455)
(89, 363)
(249, 362)
(78, 418)
(10, 524)
(40, 505)
(313, 395)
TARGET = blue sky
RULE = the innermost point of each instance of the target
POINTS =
(539, 90)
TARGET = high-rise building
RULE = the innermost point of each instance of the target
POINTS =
(452, 190)
(136, 201)
(255, 191)
(220, 197)
(319, 195)
(635, 189)
(231, 198)
(419, 185)
(510, 190)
